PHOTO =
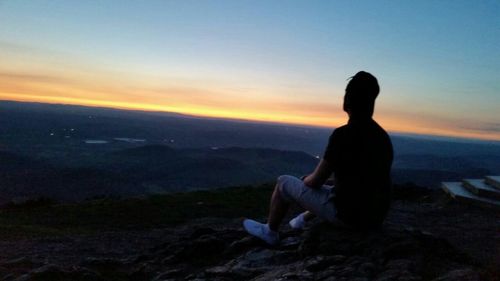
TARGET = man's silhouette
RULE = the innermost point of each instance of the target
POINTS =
(359, 155)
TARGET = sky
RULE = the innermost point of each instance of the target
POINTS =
(437, 62)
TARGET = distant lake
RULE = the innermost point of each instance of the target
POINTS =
(131, 140)
(95, 141)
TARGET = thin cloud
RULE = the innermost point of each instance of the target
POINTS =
(14, 47)
(490, 127)
(31, 77)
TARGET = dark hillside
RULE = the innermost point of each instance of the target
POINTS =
(144, 170)
(46, 149)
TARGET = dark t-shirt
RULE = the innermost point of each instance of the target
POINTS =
(361, 156)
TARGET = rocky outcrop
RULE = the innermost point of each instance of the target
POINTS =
(423, 239)
(321, 252)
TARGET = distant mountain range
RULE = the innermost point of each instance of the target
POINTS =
(73, 153)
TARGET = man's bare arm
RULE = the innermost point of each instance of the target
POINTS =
(320, 175)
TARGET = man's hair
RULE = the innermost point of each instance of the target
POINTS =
(360, 93)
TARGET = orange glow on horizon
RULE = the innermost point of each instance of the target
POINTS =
(391, 124)
(207, 99)
(188, 110)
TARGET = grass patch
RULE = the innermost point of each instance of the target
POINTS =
(134, 213)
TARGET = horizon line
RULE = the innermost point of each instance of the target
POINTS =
(441, 137)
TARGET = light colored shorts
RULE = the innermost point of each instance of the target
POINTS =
(316, 200)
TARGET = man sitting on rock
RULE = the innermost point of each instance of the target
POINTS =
(359, 155)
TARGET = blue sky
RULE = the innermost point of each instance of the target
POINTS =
(438, 62)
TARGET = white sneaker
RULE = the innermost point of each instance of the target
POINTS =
(298, 222)
(261, 231)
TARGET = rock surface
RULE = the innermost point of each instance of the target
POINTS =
(421, 240)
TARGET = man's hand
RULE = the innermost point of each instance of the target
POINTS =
(319, 176)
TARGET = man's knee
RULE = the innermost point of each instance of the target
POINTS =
(282, 181)
(287, 187)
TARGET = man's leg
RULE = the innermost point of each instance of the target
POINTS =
(291, 189)
(277, 209)
(299, 221)
(316, 201)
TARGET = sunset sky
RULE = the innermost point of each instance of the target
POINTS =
(438, 62)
